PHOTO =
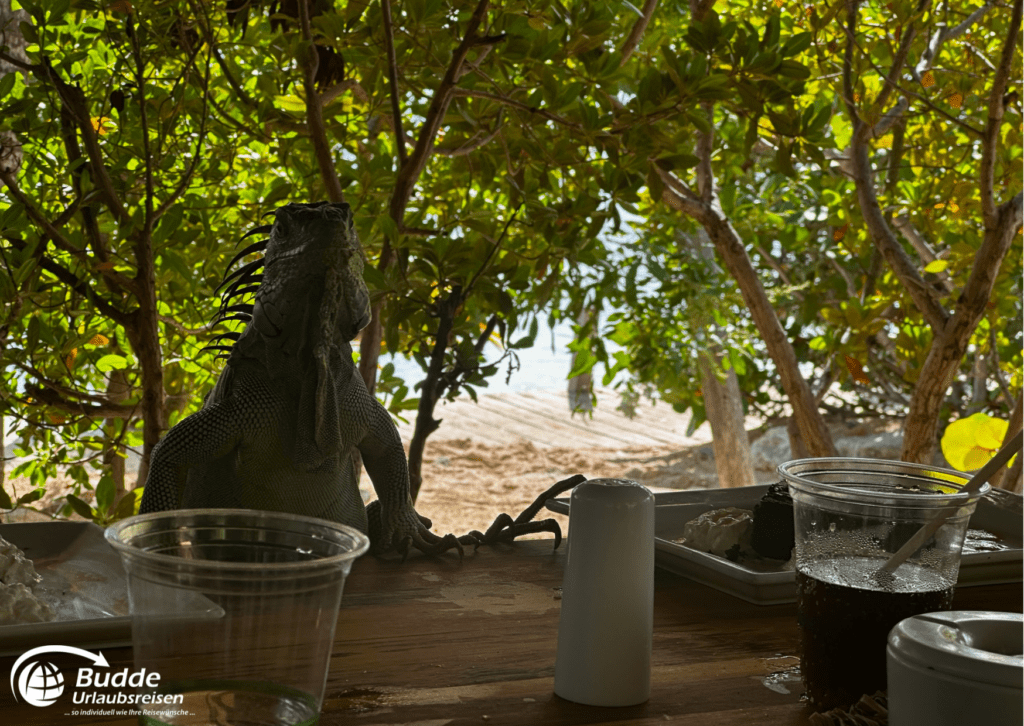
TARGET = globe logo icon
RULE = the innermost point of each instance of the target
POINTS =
(41, 683)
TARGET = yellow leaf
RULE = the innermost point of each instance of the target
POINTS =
(101, 125)
(970, 442)
(936, 266)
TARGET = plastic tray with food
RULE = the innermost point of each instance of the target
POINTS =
(992, 553)
(81, 582)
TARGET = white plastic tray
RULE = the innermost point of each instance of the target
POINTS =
(674, 509)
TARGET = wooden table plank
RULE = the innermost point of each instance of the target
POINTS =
(439, 641)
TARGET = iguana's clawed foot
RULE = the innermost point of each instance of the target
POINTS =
(506, 529)
(407, 533)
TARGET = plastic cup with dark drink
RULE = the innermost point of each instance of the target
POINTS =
(851, 516)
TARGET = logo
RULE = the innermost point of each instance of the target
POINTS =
(38, 681)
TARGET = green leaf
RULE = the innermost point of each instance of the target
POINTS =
(699, 119)
(111, 362)
(105, 493)
(7, 83)
(81, 508)
(282, 189)
(32, 496)
(583, 363)
(655, 185)
(770, 39)
(797, 44)
(793, 69)
(678, 161)
(128, 506)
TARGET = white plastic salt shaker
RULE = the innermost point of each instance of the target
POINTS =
(607, 617)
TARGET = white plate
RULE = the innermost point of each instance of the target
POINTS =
(999, 514)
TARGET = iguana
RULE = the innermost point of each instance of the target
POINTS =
(284, 425)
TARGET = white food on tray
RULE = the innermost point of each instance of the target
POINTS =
(719, 530)
(18, 576)
(726, 533)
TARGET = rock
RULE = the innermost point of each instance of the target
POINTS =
(771, 449)
(882, 445)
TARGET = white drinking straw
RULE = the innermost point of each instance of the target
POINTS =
(984, 474)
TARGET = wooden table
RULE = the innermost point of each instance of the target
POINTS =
(439, 642)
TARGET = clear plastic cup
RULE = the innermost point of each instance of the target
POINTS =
(234, 610)
(851, 516)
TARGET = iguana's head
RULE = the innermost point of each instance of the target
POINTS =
(313, 250)
(311, 281)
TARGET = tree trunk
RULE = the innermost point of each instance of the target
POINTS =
(426, 424)
(118, 390)
(797, 448)
(812, 428)
(950, 343)
(724, 408)
(723, 401)
(581, 387)
(144, 337)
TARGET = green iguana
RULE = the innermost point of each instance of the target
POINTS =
(289, 417)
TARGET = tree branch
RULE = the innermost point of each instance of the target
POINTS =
(511, 102)
(471, 144)
(410, 172)
(309, 61)
(942, 36)
(990, 140)
(924, 250)
(895, 71)
(396, 111)
(881, 234)
(140, 83)
(339, 88)
(196, 155)
(53, 398)
(678, 196)
(636, 33)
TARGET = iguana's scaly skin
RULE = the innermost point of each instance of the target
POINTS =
(282, 426)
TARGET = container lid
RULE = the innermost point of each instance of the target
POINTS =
(976, 645)
(611, 492)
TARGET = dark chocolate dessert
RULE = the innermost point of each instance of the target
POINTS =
(772, 531)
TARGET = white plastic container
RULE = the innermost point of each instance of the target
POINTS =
(607, 618)
(956, 668)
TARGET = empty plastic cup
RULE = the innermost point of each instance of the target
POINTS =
(234, 610)
(851, 516)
